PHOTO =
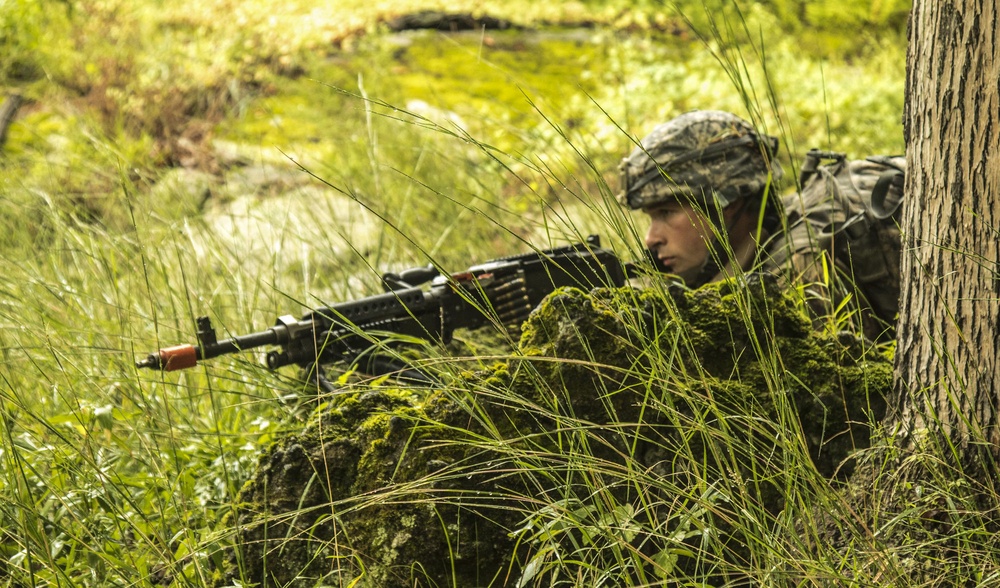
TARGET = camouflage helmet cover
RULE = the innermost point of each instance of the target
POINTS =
(696, 157)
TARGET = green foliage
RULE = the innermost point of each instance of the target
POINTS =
(833, 15)
(23, 36)
(155, 176)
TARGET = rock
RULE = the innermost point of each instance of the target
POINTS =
(630, 428)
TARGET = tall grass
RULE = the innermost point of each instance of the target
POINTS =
(116, 477)
(110, 478)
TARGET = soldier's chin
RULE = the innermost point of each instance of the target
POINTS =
(658, 263)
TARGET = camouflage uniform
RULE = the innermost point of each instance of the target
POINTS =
(712, 159)
(836, 247)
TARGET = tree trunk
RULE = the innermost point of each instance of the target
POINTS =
(8, 109)
(947, 370)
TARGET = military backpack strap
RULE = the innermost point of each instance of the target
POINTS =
(892, 176)
(814, 159)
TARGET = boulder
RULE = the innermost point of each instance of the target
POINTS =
(618, 442)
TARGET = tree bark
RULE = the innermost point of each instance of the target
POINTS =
(947, 369)
(8, 109)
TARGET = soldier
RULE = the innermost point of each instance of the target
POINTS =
(704, 178)
(709, 184)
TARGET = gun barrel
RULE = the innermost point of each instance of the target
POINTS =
(181, 357)
(171, 359)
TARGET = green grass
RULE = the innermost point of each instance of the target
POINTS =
(117, 477)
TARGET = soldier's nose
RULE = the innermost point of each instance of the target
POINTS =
(653, 238)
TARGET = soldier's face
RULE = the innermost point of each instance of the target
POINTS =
(679, 236)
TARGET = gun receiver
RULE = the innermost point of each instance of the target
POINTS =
(500, 292)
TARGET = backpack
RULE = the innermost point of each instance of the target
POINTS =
(850, 209)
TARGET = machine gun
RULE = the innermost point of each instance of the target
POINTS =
(501, 292)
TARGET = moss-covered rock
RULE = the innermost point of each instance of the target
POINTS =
(621, 440)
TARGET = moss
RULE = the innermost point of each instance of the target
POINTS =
(618, 400)
(326, 497)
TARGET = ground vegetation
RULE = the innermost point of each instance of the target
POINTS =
(587, 457)
(245, 162)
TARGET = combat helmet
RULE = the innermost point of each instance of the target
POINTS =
(699, 157)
